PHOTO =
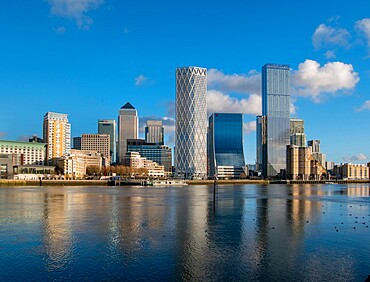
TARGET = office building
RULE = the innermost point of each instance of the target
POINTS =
(108, 126)
(99, 143)
(76, 143)
(297, 134)
(57, 136)
(24, 153)
(191, 122)
(226, 156)
(128, 126)
(261, 142)
(276, 108)
(154, 132)
(158, 153)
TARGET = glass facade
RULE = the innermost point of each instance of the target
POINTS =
(109, 127)
(191, 122)
(276, 108)
(226, 145)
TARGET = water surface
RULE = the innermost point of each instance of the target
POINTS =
(251, 233)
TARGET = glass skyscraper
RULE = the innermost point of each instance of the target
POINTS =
(191, 122)
(109, 127)
(225, 141)
(154, 132)
(276, 108)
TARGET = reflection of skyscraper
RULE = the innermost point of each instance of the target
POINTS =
(154, 132)
(226, 145)
(57, 135)
(127, 128)
(191, 122)
(276, 108)
(109, 127)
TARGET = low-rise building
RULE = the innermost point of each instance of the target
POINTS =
(349, 171)
(6, 166)
(74, 164)
(33, 172)
(135, 161)
(24, 153)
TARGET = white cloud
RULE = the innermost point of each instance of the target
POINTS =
(249, 127)
(238, 83)
(293, 109)
(76, 10)
(140, 80)
(218, 102)
(358, 157)
(365, 106)
(330, 36)
(364, 26)
(313, 80)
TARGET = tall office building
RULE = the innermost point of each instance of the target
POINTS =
(191, 122)
(225, 141)
(297, 135)
(261, 141)
(99, 143)
(128, 126)
(109, 127)
(154, 132)
(276, 108)
(57, 136)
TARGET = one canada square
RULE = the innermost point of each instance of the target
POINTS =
(191, 122)
(276, 109)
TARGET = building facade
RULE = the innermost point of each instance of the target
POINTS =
(301, 165)
(154, 132)
(225, 141)
(57, 136)
(261, 142)
(276, 108)
(349, 171)
(6, 166)
(99, 143)
(297, 134)
(158, 153)
(135, 162)
(316, 153)
(24, 153)
(108, 126)
(128, 126)
(191, 122)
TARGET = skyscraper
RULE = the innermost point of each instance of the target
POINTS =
(261, 141)
(57, 136)
(128, 125)
(154, 132)
(108, 126)
(297, 135)
(276, 108)
(225, 141)
(191, 122)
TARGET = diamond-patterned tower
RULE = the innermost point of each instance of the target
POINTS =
(191, 122)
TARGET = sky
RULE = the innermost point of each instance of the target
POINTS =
(87, 58)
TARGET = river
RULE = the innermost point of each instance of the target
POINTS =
(250, 233)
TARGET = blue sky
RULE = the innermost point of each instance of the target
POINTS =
(87, 58)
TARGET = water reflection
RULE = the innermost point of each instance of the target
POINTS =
(252, 233)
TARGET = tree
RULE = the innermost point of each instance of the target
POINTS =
(92, 169)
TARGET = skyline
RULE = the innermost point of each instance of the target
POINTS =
(87, 61)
